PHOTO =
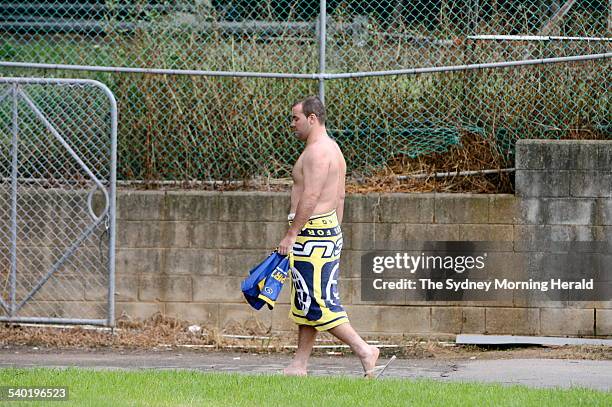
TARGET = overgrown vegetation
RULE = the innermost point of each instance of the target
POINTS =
(178, 127)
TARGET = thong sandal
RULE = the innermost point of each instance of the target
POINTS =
(378, 370)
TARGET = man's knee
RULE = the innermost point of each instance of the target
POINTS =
(307, 328)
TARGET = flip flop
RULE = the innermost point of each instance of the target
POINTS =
(378, 370)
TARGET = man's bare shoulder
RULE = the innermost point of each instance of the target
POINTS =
(320, 151)
(337, 148)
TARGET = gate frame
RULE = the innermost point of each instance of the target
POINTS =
(109, 211)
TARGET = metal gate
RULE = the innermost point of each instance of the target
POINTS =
(58, 143)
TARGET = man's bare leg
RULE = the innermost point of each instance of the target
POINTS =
(306, 340)
(367, 354)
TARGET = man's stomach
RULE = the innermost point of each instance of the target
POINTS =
(320, 209)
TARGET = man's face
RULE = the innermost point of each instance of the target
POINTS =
(300, 124)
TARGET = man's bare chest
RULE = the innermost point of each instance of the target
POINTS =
(298, 171)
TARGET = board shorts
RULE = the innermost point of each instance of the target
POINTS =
(314, 277)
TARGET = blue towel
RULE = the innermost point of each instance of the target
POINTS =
(265, 281)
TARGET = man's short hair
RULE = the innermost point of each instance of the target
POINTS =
(312, 105)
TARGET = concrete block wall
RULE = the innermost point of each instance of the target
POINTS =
(564, 192)
(188, 261)
(184, 253)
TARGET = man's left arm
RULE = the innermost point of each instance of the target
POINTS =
(315, 167)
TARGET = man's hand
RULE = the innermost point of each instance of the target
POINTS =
(286, 245)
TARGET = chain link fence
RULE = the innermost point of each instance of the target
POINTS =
(57, 159)
(201, 116)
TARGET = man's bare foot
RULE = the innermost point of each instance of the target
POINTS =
(294, 370)
(369, 361)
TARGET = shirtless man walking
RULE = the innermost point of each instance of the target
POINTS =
(315, 238)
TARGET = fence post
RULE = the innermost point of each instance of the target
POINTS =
(112, 214)
(322, 41)
(14, 162)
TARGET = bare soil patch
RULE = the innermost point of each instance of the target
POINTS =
(160, 332)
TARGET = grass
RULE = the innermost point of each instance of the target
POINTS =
(190, 388)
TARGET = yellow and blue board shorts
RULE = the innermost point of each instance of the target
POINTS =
(316, 259)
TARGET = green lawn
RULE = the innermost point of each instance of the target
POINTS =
(190, 388)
